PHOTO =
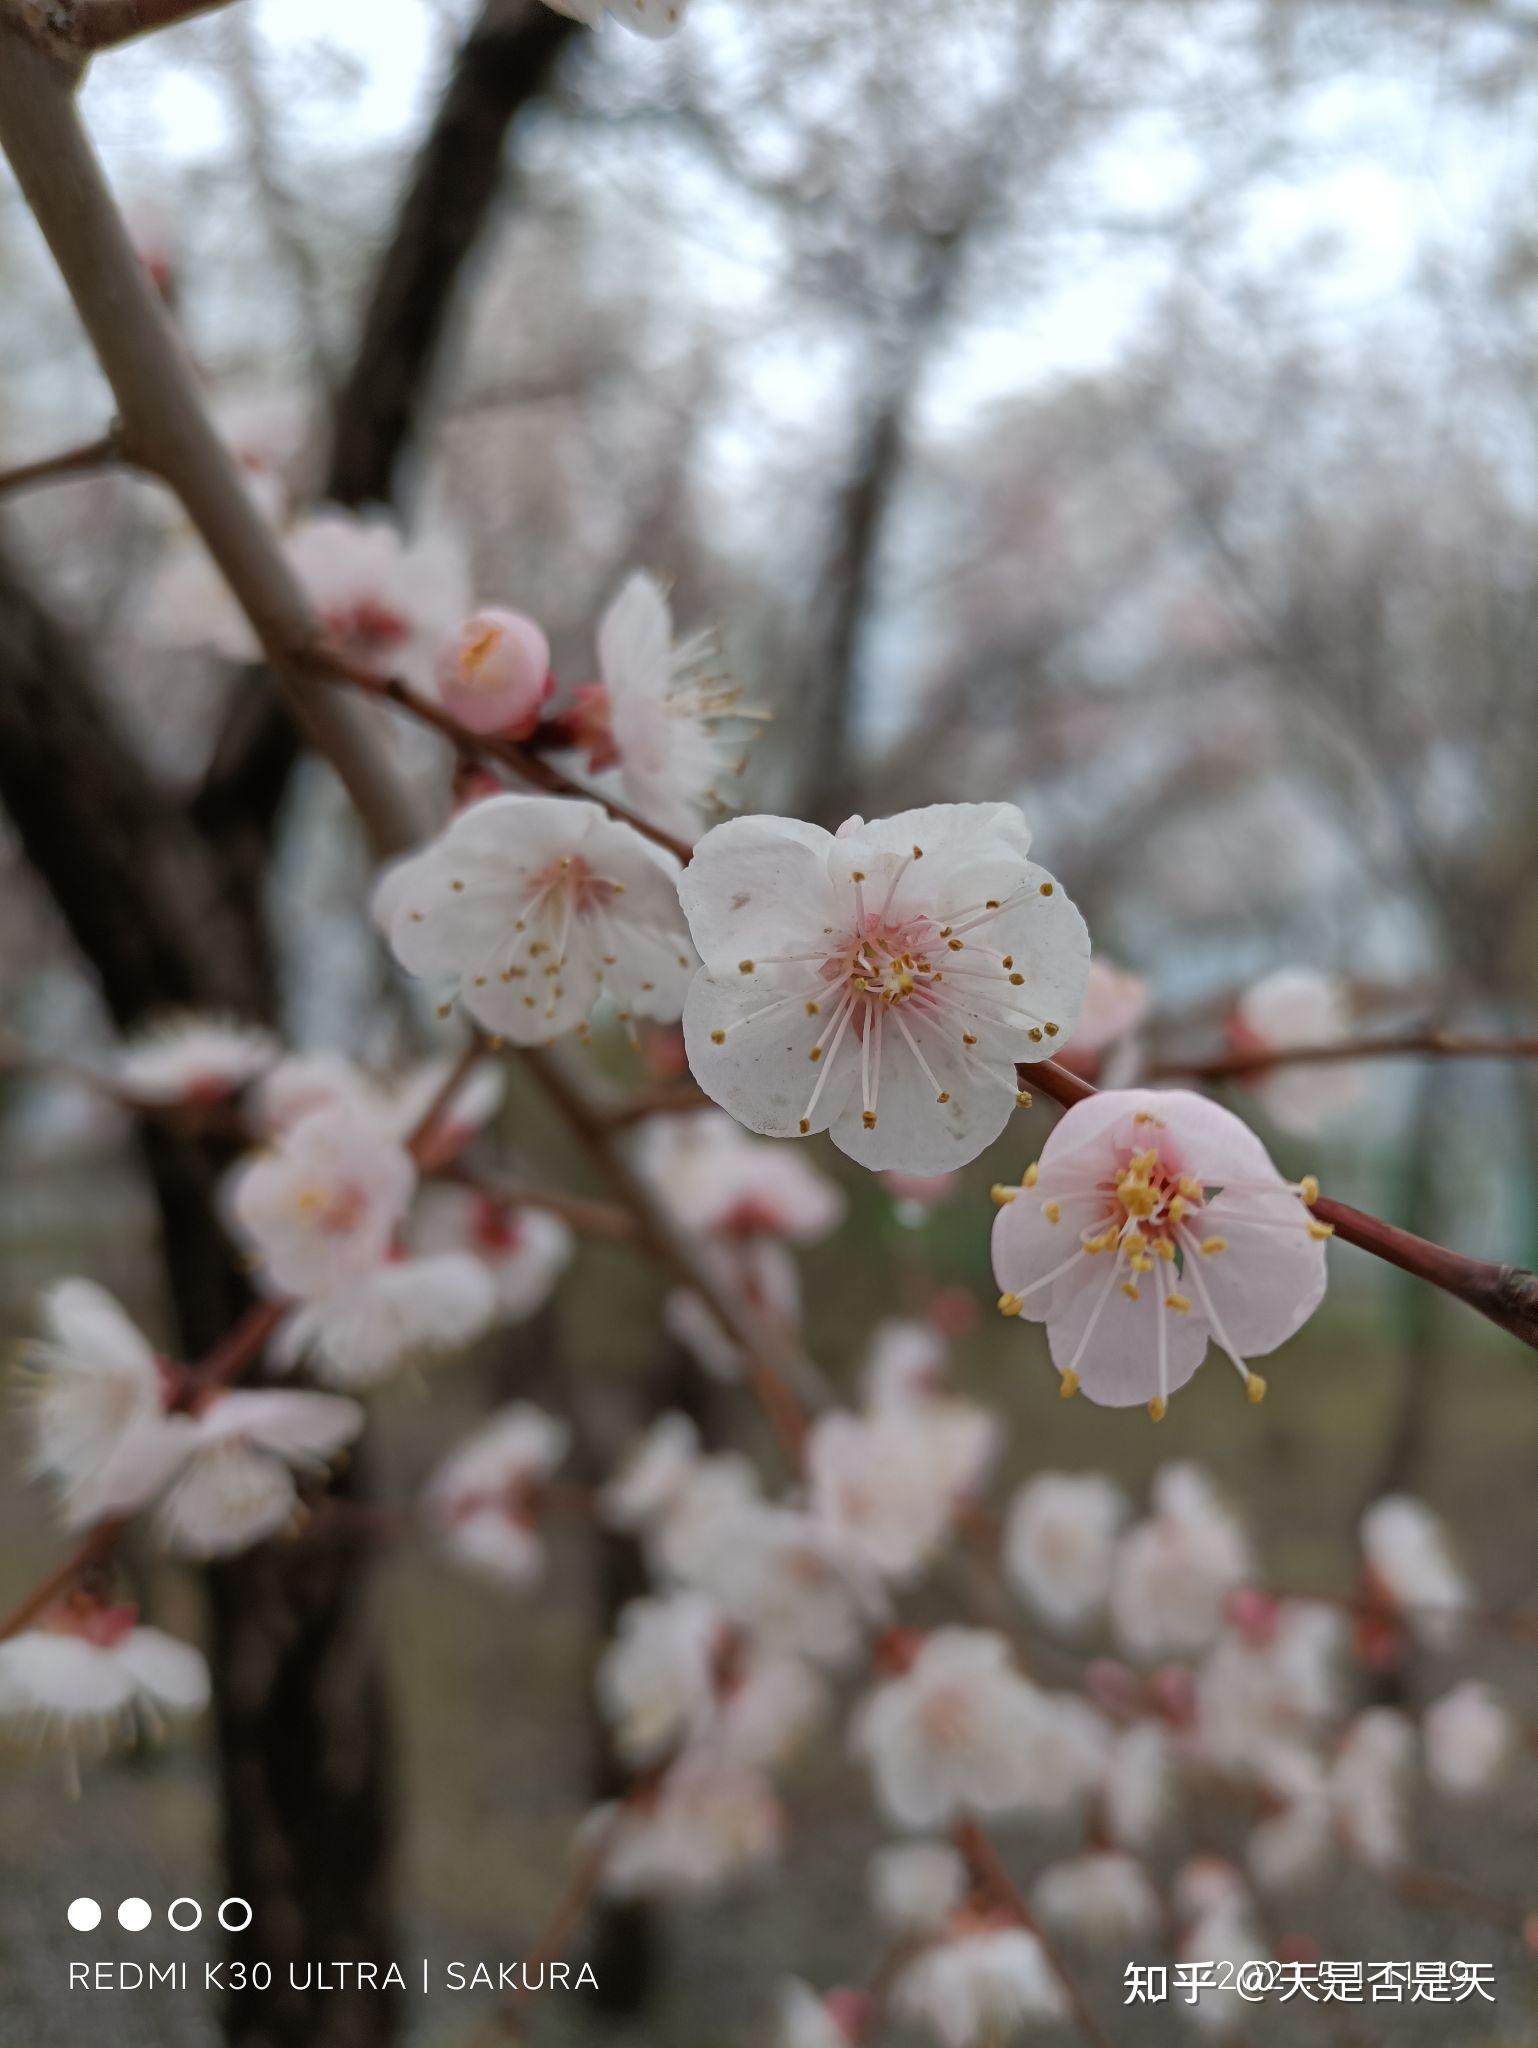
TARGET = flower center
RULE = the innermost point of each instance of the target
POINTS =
(333, 1207)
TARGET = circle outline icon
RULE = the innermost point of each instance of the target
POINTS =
(128, 1915)
(84, 1915)
(192, 1925)
(244, 1924)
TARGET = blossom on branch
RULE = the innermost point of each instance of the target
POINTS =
(662, 714)
(523, 1250)
(485, 1499)
(320, 1209)
(226, 1474)
(979, 1984)
(530, 909)
(960, 1731)
(405, 1312)
(1297, 1007)
(709, 1821)
(1153, 1224)
(91, 1675)
(1060, 1543)
(880, 984)
(1470, 1738)
(1174, 1571)
(194, 1060)
(91, 1383)
(1411, 1568)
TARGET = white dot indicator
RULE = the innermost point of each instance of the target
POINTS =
(83, 1915)
(135, 1915)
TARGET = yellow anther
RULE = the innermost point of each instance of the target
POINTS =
(1144, 1116)
(1255, 1387)
(1163, 1247)
(1051, 1030)
(858, 875)
(1158, 1408)
(1022, 1098)
(815, 1054)
(1129, 1288)
(1178, 1206)
(1018, 981)
(1178, 1303)
(1046, 889)
(1053, 1211)
(954, 945)
(1010, 1304)
(456, 886)
(812, 1009)
(868, 1118)
(969, 1038)
(1031, 1175)
(1213, 1245)
(803, 1127)
(718, 1038)
(1190, 1187)
(1320, 1231)
(944, 1095)
(1069, 1384)
(1001, 1194)
(1009, 959)
(1103, 1242)
(744, 966)
(1145, 1162)
(1308, 1189)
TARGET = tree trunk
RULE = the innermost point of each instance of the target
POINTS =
(303, 1737)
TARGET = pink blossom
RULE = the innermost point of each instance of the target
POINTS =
(495, 677)
(1153, 1224)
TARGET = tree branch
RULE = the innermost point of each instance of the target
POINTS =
(163, 412)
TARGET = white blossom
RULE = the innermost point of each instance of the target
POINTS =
(1153, 1225)
(1175, 1570)
(880, 984)
(322, 1206)
(484, 1499)
(1103, 1896)
(1060, 1543)
(961, 1731)
(529, 909)
(1297, 1007)
(226, 1473)
(523, 1250)
(1470, 1738)
(97, 1680)
(405, 1312)
(93, 1383)
(663, 713)
(1411, 1562)
(194, 1059)
(977, 1988)
(915, 1887)
(710, 1821)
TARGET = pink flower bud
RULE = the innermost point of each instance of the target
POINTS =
(496, 676)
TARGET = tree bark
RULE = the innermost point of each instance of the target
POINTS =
(303, 1740)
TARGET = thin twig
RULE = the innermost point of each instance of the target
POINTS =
(587, 1218)
(81, 28)
(1388, 1046)
(989, 1872)
(775, 1365)
(97, 1546)
(106, 452)
(528, 766)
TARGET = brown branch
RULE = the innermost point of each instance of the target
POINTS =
(993, 1878)
(1388, 1046)
(108, 451)
(775, 1364)
(95, 1549)
(1505, 1295)
(161, 404)
(527, 765)
(79, 28)
(587, 1218)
